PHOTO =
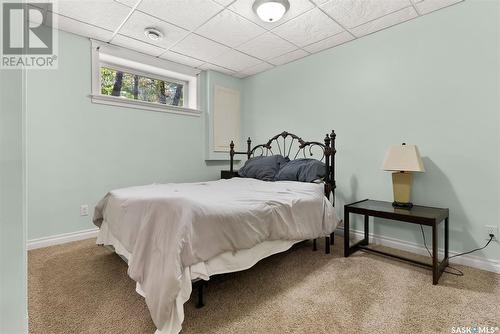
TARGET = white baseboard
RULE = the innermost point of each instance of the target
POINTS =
(61, 238)
(467, 260)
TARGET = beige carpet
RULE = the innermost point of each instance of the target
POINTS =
(83, 288)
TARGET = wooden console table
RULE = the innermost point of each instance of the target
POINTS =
(420, 215)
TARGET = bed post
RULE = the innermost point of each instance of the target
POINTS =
(332, 165)
(328, 153)
(332, 175)
(231, 154)
(200, 303)
(249, 147)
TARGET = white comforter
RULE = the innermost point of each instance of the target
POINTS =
(166, 228)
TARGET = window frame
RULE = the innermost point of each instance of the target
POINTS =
(148, 66)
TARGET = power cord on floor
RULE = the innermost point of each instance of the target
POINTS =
(458, 272)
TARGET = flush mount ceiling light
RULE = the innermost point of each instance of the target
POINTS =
(153, 34)
(270, 10)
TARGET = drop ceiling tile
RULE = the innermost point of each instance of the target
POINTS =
(130, 3)
(200, 48)
(188, 14)
(208, 66)
(352, 13)
(385, 21)
(302, 25)
(427, 6)
(138, 21)
(230, 29)
(244, 8)
(307, 28)
(240, 75)
(82, 29)
(319, 2)
(329, 42)
(224, 2)
(288, 57)
(267, 46)
(137, 45)
(235, 60)
(181, 59)
(256, 69)
(107, 14)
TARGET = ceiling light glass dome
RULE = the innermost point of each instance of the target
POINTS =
(271, 10)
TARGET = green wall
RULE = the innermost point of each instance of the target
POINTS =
(77, 150)
(12, 223)
(433, 82)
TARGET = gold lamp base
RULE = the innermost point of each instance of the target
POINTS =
(401, 186)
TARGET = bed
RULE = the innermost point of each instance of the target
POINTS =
(172, 235)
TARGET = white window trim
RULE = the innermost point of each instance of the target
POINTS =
(104, 54)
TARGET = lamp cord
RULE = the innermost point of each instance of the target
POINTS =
(459, 272)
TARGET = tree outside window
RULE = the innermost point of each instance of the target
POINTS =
(137, 87)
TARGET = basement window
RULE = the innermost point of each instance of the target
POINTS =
(135, 86)
(124, 78)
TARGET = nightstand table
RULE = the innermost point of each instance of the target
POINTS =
(227, 174)
(420, 215)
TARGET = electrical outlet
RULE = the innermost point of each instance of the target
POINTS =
(84, 210)
(489, 229)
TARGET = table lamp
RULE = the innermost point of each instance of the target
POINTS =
(403, 160)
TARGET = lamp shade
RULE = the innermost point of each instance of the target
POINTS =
(404, 158)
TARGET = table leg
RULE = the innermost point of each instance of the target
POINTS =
(446, 236)
(346, 233)
(365, 240)
(435, 263)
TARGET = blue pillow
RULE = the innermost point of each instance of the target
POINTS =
(303, 170)
(263, 168)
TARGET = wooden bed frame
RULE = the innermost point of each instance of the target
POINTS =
(283, 144)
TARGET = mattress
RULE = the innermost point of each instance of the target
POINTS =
(174, 233)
